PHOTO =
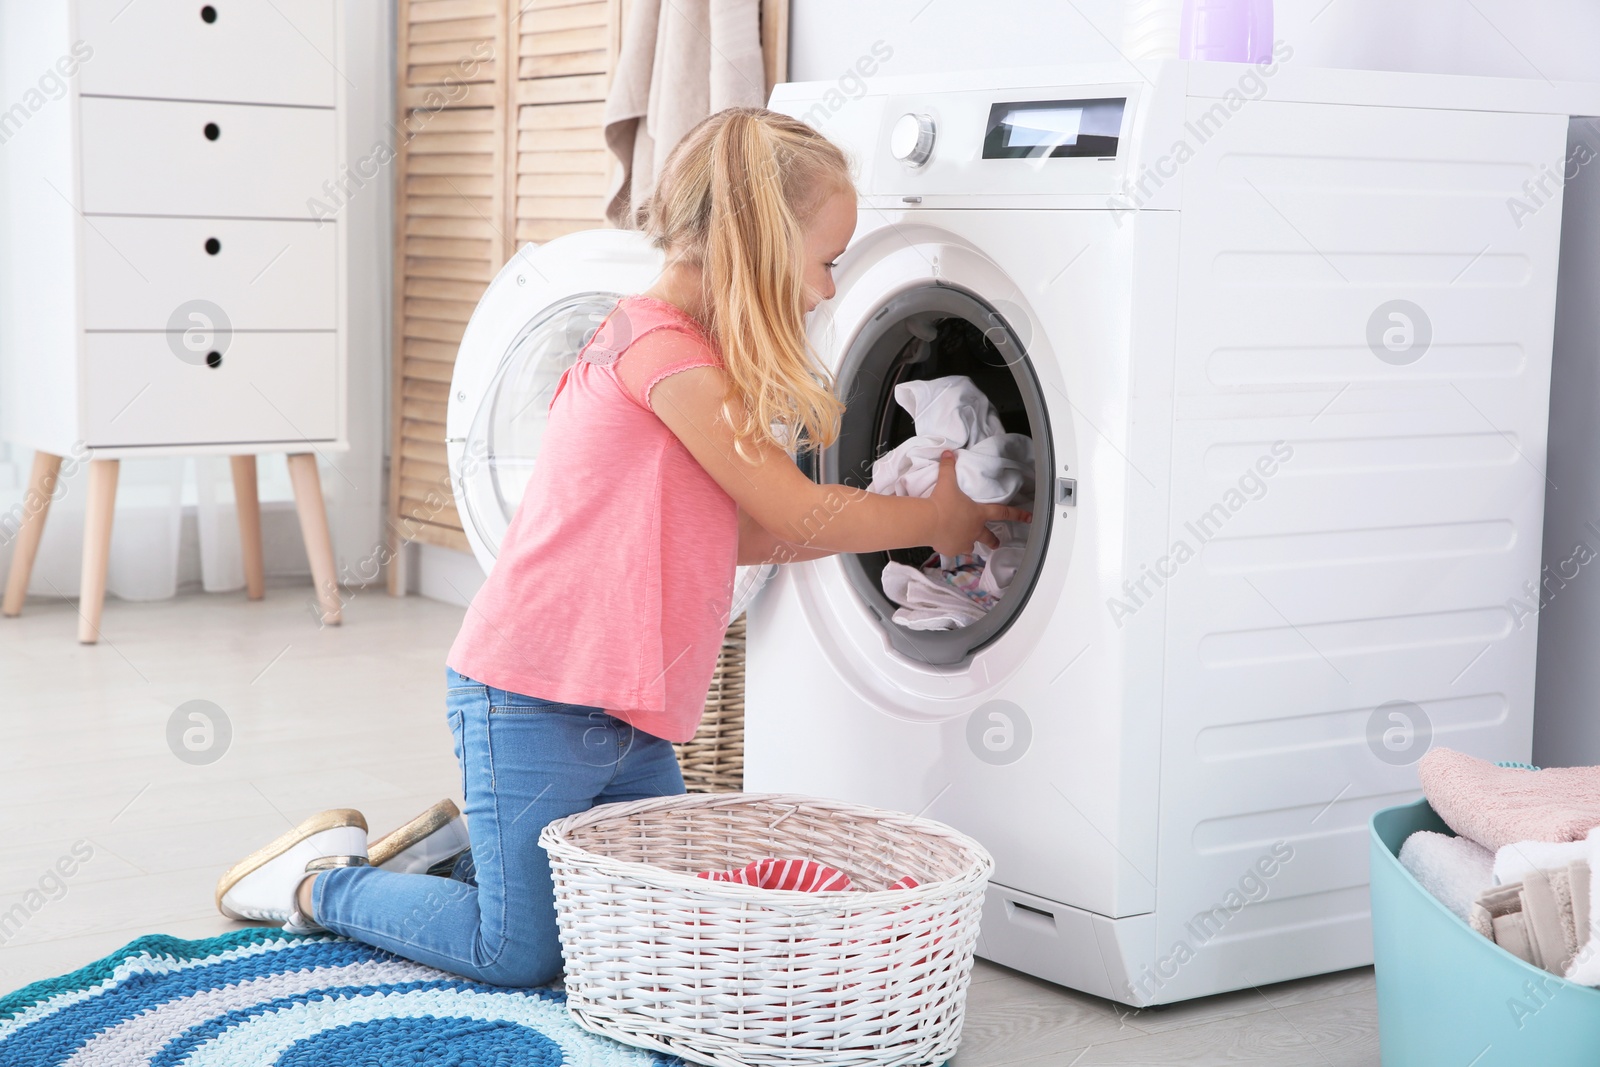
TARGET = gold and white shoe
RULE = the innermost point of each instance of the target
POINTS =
(428, 844)
(263, 885)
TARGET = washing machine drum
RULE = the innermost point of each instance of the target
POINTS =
(526, 331)
(925, 332)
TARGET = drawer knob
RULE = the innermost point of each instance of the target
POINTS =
(213, 359)
(208, 14)
(213, 131)
(213, 246)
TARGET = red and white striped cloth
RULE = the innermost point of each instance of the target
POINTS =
(806, 876)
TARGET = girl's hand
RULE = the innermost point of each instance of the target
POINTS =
(960, 521)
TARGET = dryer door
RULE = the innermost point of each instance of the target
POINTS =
(528, 328)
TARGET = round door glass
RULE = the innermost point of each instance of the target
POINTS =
(925, 334)
(504, 440)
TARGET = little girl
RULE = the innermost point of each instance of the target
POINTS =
(665, 462)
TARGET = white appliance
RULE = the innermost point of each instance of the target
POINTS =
(528, 327)
(172, 284)
(172, 271)
(1283, 341)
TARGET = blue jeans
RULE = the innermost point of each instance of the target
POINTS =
(524, 762)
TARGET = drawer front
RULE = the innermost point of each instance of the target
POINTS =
(268, 387)
(154, 157)
(263, 274)
(275, 52)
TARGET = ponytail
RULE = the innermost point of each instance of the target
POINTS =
(730, 200)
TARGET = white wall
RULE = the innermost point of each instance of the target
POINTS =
(447, 575)
(827, 36)
(1566, 721)
(1555, 39)
(356, 489)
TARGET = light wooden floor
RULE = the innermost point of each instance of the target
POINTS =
(354, 716)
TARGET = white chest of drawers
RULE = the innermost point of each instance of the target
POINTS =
(171, 280)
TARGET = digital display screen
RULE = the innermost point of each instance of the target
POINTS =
(1041, 127)
(1037, 129)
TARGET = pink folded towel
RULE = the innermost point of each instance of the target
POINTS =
(1496, 806)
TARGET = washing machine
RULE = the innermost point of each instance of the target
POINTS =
(1282, 340)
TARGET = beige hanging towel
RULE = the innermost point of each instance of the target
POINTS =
(680, 61)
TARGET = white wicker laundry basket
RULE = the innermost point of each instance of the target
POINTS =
(728, 974)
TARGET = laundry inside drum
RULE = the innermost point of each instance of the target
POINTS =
(939, 368)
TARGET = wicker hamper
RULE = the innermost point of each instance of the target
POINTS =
(732, 975)
(713, 760)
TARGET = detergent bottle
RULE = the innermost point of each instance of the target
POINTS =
(1231, 31)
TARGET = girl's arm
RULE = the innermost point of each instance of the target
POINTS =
(758, 545)
(823, 518)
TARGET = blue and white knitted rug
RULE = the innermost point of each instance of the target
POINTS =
(262, 998)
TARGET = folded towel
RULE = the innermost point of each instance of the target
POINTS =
(1542, 920)
(1513, 862)
(1454, 869)
(1498, 806)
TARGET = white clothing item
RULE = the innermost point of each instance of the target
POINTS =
(994, 471)
(931, 600)
(992, 466)
(1454, 869)
(952, 409)
(926, 603)
(1003, 560)
(1002, 566)
(1513, 862)
(915, 618)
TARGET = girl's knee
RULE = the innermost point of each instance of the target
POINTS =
(524, 958)
(523, 970)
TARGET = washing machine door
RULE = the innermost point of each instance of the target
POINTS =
(528, 328)
(918, 298)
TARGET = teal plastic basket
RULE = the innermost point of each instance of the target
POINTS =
(1449, 997)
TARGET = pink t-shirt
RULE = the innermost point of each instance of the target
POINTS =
(614, 581)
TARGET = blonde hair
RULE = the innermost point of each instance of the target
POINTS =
(729, 200)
